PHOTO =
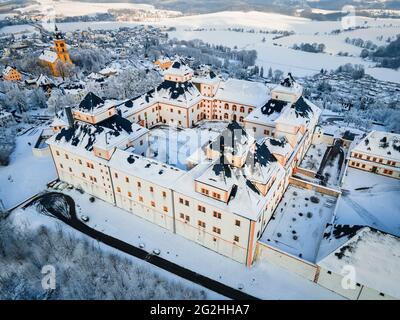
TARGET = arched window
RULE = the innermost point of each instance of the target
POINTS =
(234, 107)
(241, 119)
(226, 106)
(241, 109)
(250, 110)
(226, 116)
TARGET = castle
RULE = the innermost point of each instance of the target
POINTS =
(225, 200)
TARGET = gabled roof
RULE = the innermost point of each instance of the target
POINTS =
(90, 102)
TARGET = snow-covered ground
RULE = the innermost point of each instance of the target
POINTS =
(26, 175)
(263, 279)
(30, 218)
(313, 157)
(372, 200)
(173, 146)
(298, 224)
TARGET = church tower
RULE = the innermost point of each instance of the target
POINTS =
(61, 47)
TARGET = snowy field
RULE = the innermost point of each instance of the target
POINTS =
(26, 175)
(271, 53)
(278, 53)
(173, 146)
(32, 219)
(68, 8)
(298, 224)
(372, 200)
(263, 280)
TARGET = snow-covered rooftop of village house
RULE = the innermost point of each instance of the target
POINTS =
(374, 255)
(48, 56)
(41, 80)
(6, 70)
(268, 113)
(244, 200)
(243, 92)
(381, 144)
(157, 172)
(301, 112)
(179, 68)
(183, 94)
(208, 78)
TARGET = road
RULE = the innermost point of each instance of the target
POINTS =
(51, 201)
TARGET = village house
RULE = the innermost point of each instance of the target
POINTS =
(11, 74)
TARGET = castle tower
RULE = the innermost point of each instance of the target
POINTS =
(61, 47)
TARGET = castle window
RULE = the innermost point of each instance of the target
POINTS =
(164, 194)
(237, 223)
(165, 209)
(217, 230)
(127, 179)
(217, 215)
(201, 208)
(236, 238)
(129, 194)
(201, 224)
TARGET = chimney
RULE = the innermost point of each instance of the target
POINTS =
(70, 117)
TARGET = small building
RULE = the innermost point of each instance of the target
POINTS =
(11, 74)
(163, 63)
(378, 152)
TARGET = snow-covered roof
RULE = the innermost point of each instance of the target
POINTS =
(289, 85)
(279, 146)
(93, 104)
(244, 198)
(380, 144)
(302, 112)
(234, 140)
(147, 169)
(110, 133)
(48, 56)
(209, 78)
(268, 113)
(179, 68)
(183, 94)
(7, 70)
(243, 92)
(41, 80)
(374, 255)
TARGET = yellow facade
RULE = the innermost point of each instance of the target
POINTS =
(12, 75)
